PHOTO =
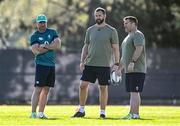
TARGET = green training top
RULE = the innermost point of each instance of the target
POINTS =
(128, 47)
(48, 58)
(100, 40)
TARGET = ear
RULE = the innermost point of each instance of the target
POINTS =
(105, 16)
(134, 24)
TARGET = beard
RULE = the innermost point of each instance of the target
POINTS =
(42, 28)
(99, 21)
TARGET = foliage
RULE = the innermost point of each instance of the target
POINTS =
(159, 20)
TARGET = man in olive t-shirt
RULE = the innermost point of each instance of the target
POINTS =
(133, 61)
(101, 41)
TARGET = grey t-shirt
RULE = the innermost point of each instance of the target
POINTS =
(100, 40)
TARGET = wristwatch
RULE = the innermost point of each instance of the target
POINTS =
(117, 64)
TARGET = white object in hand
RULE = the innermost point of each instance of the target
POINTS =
(116, 78)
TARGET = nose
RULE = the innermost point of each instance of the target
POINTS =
(43, 24)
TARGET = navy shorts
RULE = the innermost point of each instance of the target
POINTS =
(134, 82)
(91, 73)
(45, 76)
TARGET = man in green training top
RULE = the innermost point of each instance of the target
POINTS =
(44, 41)
(133, 61)
(101, 41)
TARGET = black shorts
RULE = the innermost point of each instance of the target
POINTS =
(134, 82)
(91, 73)
(45, 76)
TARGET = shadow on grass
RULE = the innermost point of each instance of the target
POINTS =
(54, 119)
(46, 119)
(141, 119)
(108, 118)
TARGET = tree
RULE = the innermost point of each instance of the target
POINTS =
(159, 20)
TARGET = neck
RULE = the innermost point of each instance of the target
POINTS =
(41, 31)
(133, 30)
(101, 25)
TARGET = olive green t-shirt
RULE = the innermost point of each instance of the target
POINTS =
(100, 40)
(128, 47)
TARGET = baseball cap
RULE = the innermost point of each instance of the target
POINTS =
(41, 17)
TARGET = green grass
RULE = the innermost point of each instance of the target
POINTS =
(60, 116)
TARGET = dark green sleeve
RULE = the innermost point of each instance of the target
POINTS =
(114, 37)
(33, 40)
(55, 34)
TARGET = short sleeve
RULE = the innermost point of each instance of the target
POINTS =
(114, 37)
(32, 40)
(139, 39)
(55, 34)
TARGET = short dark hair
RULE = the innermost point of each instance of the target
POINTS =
(131, 19)
(101, 9)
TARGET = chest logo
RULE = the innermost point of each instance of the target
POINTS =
(40, 38)
(49, 36)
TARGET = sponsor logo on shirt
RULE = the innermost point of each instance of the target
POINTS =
(49, 36)
(40, 38)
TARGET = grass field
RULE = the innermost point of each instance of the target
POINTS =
(60, 116)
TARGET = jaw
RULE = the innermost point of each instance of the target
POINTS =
(126, 30)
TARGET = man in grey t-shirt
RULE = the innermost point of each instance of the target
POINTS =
(101, 41)
(133, 61)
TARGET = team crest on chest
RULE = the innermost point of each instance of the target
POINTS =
(49, 36)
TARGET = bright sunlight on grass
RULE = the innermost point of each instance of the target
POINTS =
(61, 116)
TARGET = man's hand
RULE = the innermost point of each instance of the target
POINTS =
(131, 67)
(115, 67)
(118, 72)
(37, 49)
(45, 46)
(54, 45)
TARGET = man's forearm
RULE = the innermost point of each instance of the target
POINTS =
(39, 50)
(121, 67)
(84, 53)
(137, 53)
(116, 52)
(117, 55)
(55, 45)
